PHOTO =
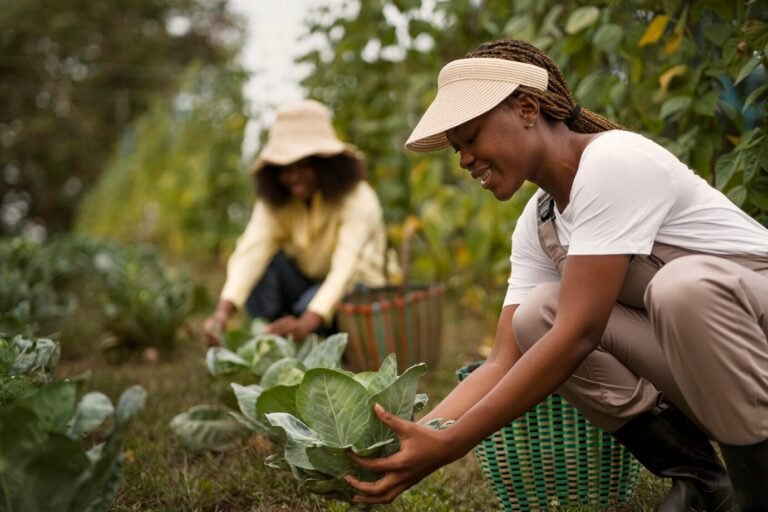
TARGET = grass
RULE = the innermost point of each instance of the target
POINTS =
(160, 476)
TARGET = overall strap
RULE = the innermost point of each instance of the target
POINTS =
(547, 234)
(642, 267)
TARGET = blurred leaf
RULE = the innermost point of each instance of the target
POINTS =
(673, 44)
(207, 427)
(91, 412)
(284, 372)
(655, 30)
(608, 37)
(758, 192)
(129, 404)
(706, 104)
(675, 105)
(754, 95)
(717, 32)
(748, 68)
(53, 404)
(247, 396)
(220, 361)
(727, 165)
(581, 19)
(327, 353)
(671, 73)
(756, 34)
(738, 195)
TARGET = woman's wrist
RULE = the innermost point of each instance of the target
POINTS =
(459, 440)
(311, 321)
(452, 445)
(224, 309)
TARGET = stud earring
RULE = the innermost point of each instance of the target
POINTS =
(529, 125)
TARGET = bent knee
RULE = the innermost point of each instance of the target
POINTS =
(535, 315)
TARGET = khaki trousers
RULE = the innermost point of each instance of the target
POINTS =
(701, 342)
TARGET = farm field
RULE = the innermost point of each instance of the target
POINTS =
(128, 138)
(159, 475)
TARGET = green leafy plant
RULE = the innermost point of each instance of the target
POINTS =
(25, 364)
(43, 465)
(248, 363)
(28, 287)
(144, 302)
(57, 453)
(330, 412)
(135, 298)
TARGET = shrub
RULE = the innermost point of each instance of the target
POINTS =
(91, 287)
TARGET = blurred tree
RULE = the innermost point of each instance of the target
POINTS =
(177, 179)
(73, 74)
(691, 75)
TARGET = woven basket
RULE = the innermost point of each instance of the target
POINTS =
(553, 455)
(405, 320)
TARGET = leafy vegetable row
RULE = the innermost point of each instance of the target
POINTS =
(57, 453)
(300, 398)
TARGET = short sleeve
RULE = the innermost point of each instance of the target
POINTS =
(620, 197)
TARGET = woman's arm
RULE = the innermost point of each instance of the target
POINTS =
(503, 355)
(254, 250)
(588, 294)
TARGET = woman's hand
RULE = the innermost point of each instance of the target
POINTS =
(298, 328)
(213, 327)
(422, 451)
(216, 324)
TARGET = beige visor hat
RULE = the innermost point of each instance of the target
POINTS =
(467, 88)
(300, 130)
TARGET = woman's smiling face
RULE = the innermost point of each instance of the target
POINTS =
(494, 148)
(299, 178)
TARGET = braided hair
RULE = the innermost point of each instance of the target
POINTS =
(557, 102)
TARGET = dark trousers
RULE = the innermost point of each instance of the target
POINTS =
(283, 290)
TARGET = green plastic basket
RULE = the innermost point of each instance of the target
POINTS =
(553, 456)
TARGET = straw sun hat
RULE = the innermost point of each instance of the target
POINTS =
(467, 88)
(300, 130)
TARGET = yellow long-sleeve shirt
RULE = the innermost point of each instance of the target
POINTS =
(339, 244)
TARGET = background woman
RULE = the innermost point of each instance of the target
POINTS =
(637, 291)
(316, 230)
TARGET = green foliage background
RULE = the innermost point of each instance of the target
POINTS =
(691, 75)
(177, 179)
(105, 94)
(73, 75)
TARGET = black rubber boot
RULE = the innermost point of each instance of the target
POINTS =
(748, 467)
(669, 445)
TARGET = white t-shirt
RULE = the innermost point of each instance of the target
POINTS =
(628, 193)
